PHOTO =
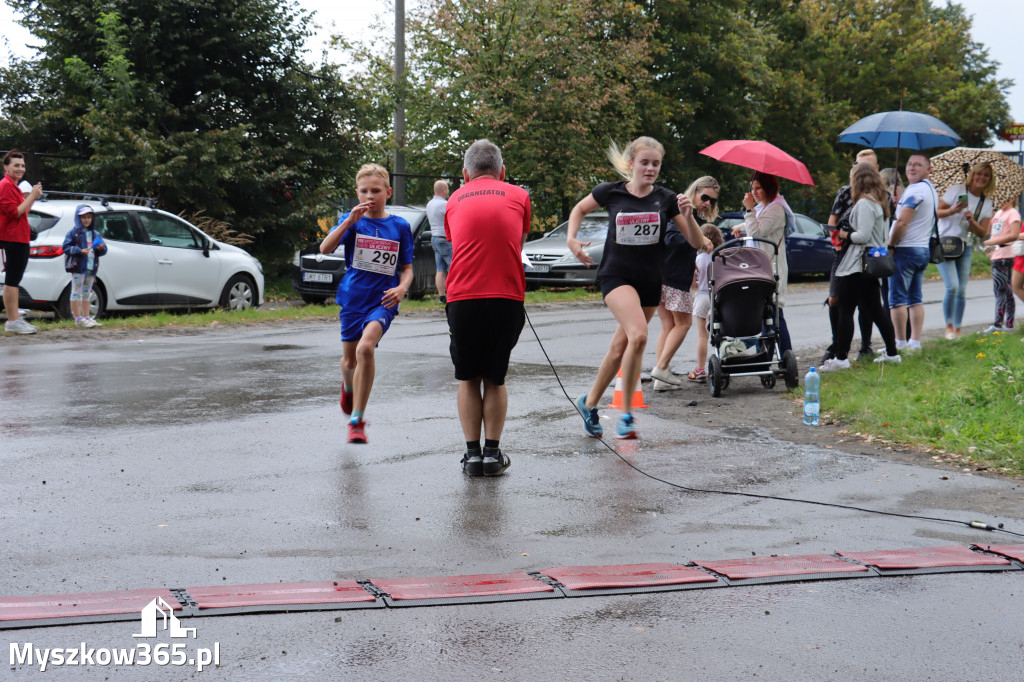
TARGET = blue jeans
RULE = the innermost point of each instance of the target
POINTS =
(442, 253)
(955, 273)
(905, 285)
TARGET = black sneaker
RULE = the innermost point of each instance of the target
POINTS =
(495, 462)
(866, 352)
(826, 357)
(473, 463)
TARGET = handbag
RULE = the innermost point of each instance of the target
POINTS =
(952, 247)
(878, 262)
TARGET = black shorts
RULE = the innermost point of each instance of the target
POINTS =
(15, 262)
(483, 333)
(649, 292)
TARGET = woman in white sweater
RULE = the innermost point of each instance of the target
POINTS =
(869, 219)
(767, 215)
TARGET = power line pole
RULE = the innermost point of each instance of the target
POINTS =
(399, 173)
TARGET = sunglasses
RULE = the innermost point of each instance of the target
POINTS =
(710, 200)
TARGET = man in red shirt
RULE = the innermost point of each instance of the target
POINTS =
(15, 236)
(487, 221)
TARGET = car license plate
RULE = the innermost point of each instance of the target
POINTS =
(317, 277)
(538, 267)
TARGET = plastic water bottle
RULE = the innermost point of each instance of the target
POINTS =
(812, 402)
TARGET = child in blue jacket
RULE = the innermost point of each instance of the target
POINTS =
(82, 250)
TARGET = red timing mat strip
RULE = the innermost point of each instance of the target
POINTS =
(630, 575)
(1012, 551)
(327, 592)
(448, 587)
(773, 566)
(60, 609)
(925, 557)
(82, 604)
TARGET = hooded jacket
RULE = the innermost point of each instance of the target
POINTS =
(76, 240)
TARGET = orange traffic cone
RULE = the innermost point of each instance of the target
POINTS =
(617, 401)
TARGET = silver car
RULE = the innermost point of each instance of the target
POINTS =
(552, 264)
(154, 260)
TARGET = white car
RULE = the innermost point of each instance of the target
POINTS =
(154, 260)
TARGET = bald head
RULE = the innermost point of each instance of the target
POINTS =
(441, 189)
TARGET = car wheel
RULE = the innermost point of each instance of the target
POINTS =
(313, 299)
(239, 293)
(97, 303)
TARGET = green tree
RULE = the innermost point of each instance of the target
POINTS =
(836, 61)
(207, 105)
(551, 82)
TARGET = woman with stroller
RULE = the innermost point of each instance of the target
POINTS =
(869, 219)
(630, 274)
(676, 308)
(767, 215)
(963, 208)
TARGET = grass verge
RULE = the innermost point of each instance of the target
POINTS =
(328, 311)
(962, 398)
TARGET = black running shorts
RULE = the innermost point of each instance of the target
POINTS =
(649, 292)
(483, 333)
(15, 262)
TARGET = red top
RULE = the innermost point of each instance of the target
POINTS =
(12, 227)
(485, 221)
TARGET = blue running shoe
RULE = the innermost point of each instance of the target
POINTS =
(626, 428)
(591, 422)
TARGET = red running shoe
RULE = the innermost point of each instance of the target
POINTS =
(346, 400)
(357, 432)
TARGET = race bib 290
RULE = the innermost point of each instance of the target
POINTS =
(375, 255)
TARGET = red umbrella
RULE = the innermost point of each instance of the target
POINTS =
(760, 156)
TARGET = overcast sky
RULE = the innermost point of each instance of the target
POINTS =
(995, 23)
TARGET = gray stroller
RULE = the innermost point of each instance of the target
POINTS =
(744, 317)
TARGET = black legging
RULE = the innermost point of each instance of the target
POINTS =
(860, 291)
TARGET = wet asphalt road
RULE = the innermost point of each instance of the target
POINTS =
(220, 459)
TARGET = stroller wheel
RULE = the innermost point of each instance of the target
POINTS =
(716, 380)
(768, 381)
(792, 376)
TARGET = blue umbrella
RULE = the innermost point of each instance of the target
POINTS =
(900, 129)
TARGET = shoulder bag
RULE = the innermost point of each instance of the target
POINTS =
(878, 262)
(953, 247)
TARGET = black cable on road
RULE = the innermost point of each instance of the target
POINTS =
(979, 525)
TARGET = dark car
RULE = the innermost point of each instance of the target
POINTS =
(552, 264)
(808, 248)
(315, 275)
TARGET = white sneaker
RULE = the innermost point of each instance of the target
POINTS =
(19, 326)
(834, 365)
(913, 345)
(666, 376)
(89, 322)
(991, 329)
(82, 322)
(660, 385)
(900, 345)
(951, 336)
(890, 358)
